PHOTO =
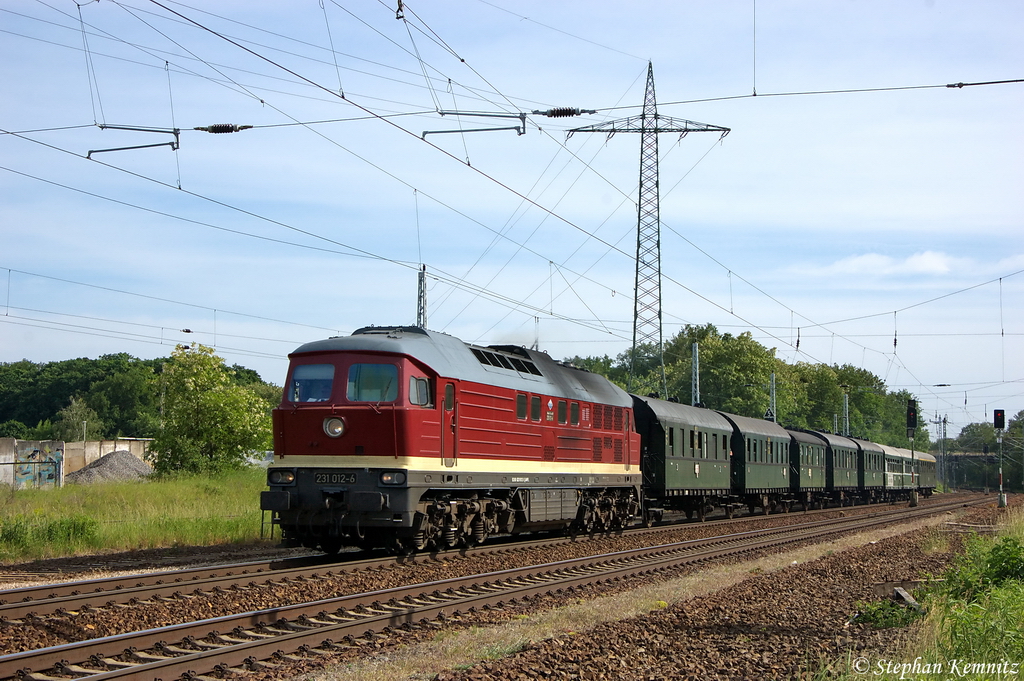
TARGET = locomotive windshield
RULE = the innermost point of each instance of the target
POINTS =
(372, 383)
(311, 383)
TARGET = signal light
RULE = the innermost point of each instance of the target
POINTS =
(999, 419)
(911, 413)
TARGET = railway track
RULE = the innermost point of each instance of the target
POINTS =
(298, 632)
(40, 600)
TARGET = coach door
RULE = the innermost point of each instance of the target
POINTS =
(449, 427)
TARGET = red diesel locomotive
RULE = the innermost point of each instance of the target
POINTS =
(404, 438)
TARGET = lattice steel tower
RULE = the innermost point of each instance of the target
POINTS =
(647, 361)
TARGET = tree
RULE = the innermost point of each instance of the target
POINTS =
(77, 421)
(15, 429)
(975, 437)
(209, 423)
(127, 400)
(734, 370)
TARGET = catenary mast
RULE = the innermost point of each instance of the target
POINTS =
(647, 361)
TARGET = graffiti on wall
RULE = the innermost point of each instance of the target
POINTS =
(38, 464)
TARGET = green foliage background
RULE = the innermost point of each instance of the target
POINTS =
(735, 372)
(116, 395)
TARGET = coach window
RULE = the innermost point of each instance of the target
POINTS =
(561, 411)
(534, 407)
(372, 383)
(574, 414)
(671, 441)
(521, 407)
(419, 391)
(748, 450)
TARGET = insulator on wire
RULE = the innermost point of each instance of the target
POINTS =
(220, 128)
(563, 112)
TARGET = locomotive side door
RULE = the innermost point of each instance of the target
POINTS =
(449, 427)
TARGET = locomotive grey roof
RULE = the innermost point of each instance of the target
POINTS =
(452, 358)
(695, 416)
(756, 426)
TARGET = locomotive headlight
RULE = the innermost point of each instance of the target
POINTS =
(334, 427)
(280, 476)
(392, 478)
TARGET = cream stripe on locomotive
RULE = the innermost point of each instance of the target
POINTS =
(463, 466)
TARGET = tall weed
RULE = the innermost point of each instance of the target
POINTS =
(117, 516)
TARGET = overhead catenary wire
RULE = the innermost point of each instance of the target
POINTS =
(448, 154)
(730, 306)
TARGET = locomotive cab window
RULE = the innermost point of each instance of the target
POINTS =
(372, 383)
(311, 383)
(419, 391)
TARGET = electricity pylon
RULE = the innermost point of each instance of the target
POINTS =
(647, 360)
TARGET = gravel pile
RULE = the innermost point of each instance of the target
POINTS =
(117, 466)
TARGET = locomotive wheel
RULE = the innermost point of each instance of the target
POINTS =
(330, 545)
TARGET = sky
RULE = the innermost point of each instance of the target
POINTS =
(858, 204)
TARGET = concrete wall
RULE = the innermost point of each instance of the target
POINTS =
(23, 463)
(26, 464)
(78, 455)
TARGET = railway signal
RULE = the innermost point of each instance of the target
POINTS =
(911, 418)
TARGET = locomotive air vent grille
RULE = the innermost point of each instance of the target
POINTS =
(598, 417)
(617, 452)
(597, 449)
(549, 453)
(501, 361)
(618, 418)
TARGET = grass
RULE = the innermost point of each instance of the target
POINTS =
(78, 519)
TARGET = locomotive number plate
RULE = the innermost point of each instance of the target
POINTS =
(328, 478)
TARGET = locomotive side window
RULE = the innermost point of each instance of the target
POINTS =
(372, 383)
(535, 407)
(574, 413)
(521, 407)
(419, 391)
(311, 383)
(561, 411)
(449, 397)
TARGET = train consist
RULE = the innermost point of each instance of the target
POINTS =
(407, 439)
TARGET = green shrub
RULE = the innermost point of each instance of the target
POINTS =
(886, 614)
(990, 627)
(984, 565)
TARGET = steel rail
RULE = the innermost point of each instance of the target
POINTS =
(364, 613)
(48, 598)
